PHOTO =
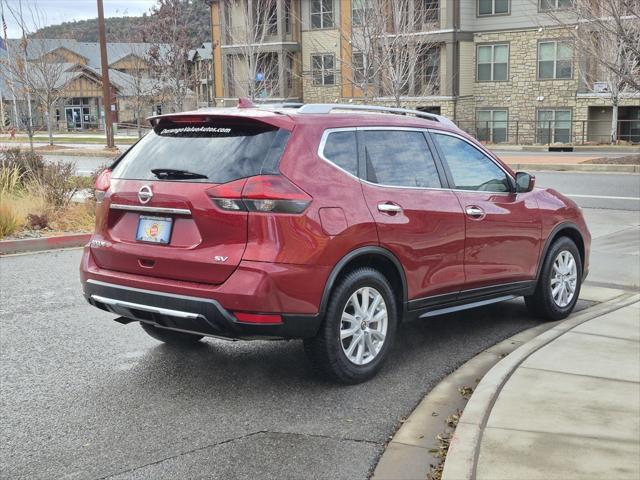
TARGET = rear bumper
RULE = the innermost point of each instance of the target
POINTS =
(190, 314)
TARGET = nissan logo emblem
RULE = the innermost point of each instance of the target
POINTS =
(145, 194)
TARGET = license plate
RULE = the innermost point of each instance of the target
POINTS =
(154, 229)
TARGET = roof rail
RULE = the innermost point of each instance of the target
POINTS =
(320, 108)
(277, 105)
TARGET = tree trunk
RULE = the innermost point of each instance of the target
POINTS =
(138, 123)
(49, 127)
(614, 122)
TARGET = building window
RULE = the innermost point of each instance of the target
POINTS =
(266, 15)
(493, 7)
(554, 126)
(427, 71)
(547, 5)
(361, 10)
(491, 126)
(555, 60)
(322, 69)
(493, 63)
(359, 68)
(321, 13)
(426, 11)
(287, 16)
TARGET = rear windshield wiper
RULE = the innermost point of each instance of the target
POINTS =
(166, 173)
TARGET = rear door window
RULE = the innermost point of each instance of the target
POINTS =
(399, 158)
(204, 153)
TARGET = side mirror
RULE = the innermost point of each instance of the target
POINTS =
(524, 182)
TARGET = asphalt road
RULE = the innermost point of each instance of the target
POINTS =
(595, 190)
(85, 397)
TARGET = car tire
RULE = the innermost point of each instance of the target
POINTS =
(352, 358)
(562, 269)
(171, 337)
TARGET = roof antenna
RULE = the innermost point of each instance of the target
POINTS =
(245, 103)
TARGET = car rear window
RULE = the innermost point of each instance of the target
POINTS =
(221, 152)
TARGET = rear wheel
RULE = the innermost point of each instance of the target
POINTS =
(358, 329)
(171, 337)
(559, 283)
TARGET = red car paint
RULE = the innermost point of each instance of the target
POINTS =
(280, 263)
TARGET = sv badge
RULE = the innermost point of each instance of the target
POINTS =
(219, 258)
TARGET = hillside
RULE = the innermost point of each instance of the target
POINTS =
(119, 28)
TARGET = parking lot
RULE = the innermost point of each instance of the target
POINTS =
(85, 397)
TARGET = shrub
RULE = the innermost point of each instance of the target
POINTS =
(29, 164)
(9, 221)
(56, 184)
(37, 221)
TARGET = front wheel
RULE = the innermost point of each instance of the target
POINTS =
(559, 283)
(358, 329)
(171, 337)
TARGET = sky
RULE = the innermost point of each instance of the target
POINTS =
(58, 11)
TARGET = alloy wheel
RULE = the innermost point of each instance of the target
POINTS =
(564, 278)
(363, 326)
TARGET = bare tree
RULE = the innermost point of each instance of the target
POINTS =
(248, 25)
(392, 54)
(409, 62)
(606, 34)
(169, 54)
(38, 74)
(141, 87)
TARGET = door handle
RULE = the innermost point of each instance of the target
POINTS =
(389, 208)
(474, 212)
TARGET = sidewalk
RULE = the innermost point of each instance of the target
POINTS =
(566, 405)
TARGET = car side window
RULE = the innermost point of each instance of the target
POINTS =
(341, 149)
(399, 158)
(470, 168)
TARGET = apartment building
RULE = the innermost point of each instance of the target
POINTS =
(502, 69)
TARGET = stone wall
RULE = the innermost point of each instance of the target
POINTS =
(522, 95)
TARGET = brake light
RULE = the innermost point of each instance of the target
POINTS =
(264, 319)
(103, 182)
(264, 193)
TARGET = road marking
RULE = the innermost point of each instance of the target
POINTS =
(603, 197)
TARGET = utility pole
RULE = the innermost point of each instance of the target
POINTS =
(106, 85)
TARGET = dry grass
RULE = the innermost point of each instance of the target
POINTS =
(77, 217)
(9, 222)
(18, 211)
(10, 179)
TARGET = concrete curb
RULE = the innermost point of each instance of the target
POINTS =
(77, 152)
(462, 458)
(576, 148)
(107, 154)
(44, 243)
(577, 167)
(411, 451)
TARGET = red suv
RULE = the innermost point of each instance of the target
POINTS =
(328, 223)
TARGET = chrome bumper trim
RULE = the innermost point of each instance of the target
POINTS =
(146, 308)
(142, 208)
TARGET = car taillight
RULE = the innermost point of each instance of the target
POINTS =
(103, 182)
(264, 193)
